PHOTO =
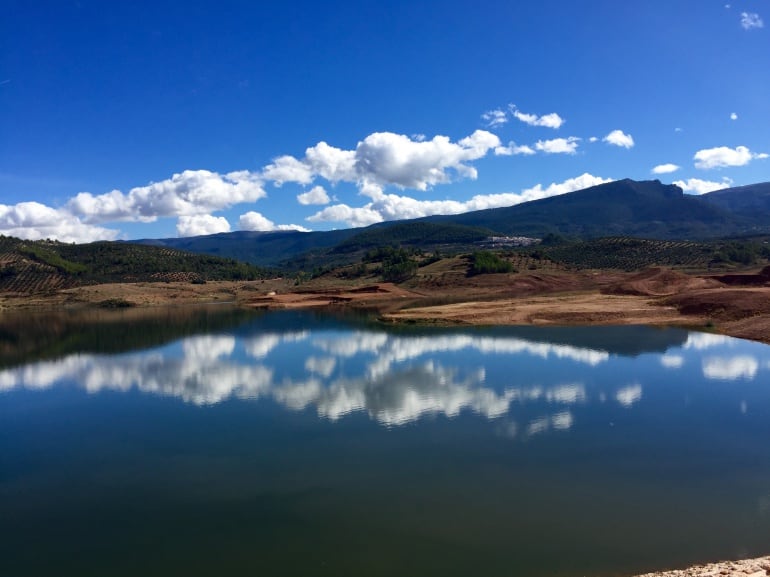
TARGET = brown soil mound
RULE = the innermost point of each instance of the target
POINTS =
(760, 279)
(658, 282)
(725, 304)
(502, 285)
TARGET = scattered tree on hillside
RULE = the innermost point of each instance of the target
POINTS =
(487, 262)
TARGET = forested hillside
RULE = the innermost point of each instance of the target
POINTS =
(40, 266)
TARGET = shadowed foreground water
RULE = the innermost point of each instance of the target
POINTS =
(296, 444)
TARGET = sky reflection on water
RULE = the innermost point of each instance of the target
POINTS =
(398, 378)
(295, 444)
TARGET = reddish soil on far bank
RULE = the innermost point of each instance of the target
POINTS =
(738, 305)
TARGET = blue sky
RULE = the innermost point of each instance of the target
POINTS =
(156, 119)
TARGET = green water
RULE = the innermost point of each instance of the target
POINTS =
(218, 442)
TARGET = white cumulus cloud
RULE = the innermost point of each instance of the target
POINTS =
(35, 221)
(253, 220)
(733, 116)
(665, 168)
(698, 186)
(558, 145)
(316, 195)
(722, 156)
(288, 169)
(201, 224)
(386, 158)
(751, 20)
(619, 138)
(335, 164)
(191, 192)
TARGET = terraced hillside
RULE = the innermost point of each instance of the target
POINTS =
(33, 267)
(631, 254)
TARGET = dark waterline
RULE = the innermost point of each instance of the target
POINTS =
(231, 443)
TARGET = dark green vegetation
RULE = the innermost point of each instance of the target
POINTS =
(624, 208)
(39, 266)
(629, 254)
(413, 234)
(398, 264)
(487, 262)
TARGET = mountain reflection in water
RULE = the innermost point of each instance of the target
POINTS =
(395, 377)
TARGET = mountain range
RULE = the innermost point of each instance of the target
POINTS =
(646, 209)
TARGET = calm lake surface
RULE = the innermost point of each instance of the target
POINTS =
(222, 442)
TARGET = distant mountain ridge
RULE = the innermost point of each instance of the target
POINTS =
(752, 201)
(645, 209)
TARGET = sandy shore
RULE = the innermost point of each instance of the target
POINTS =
(759, 567)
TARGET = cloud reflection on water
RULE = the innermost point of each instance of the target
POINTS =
(730, 368)
(395, 379)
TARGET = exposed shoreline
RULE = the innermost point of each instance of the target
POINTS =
(662, 300)
(757, 567)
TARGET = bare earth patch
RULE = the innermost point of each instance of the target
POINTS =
(735, 305)
(558, 309)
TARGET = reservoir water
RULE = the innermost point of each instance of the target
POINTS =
(224, 442)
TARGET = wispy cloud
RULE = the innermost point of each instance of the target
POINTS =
(494, 118)
(514, 149)
(551, 120)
